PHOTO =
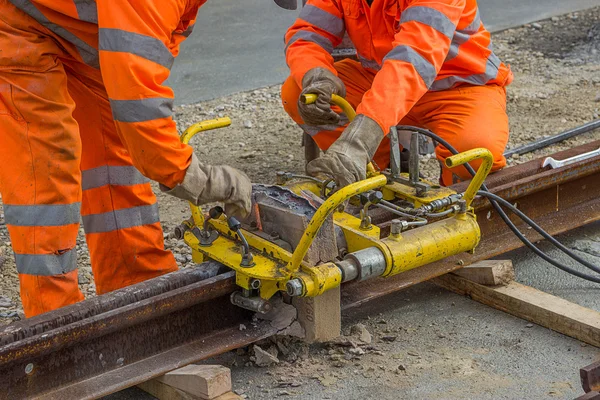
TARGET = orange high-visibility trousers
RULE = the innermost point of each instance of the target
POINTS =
(466, 116)
(61, 161)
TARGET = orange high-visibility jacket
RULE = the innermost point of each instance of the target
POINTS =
(413, 45)
(134, 43)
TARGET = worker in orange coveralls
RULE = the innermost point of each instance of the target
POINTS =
(85, 122)
(426, 63)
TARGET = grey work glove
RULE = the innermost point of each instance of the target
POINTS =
(210, 183)
(323, 83)
(347, 158)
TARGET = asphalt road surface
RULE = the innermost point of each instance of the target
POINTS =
(238, 45)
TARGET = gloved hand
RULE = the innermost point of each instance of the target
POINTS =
(347, 158)
(323, 83)
(210, 183)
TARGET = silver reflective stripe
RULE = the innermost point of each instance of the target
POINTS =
(430, 17)
(121, 219)
(323, 20)
(147, 47)
(88, 54)
(473, 26)
(42, 214)
(366, 63)
(111, 175)
(141, 110)
(87, 10)
(46, 264)
(458, 40)
(463, 35)
(311, 37)
(406, 53)
(491, 72)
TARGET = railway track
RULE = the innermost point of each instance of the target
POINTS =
(114, 341)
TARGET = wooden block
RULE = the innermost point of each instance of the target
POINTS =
(162, 391)
(320, 316)
(489, 272)
(532, 305)
(201, 381)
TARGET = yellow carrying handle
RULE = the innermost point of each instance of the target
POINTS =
(346, 109)
(185, 138)
(327, 208)
(486, 166)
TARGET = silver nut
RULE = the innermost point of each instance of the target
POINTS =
(294, 287)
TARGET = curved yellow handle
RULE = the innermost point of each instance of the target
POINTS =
(185, 138)
(204, 126)
(327, 208)
(346, 109)
(335, 99)
(486, 166)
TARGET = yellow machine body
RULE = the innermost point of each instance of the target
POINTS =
(274, 267)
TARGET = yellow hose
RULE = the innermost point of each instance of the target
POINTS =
(185, 138)
(325, 210)
(486, 166)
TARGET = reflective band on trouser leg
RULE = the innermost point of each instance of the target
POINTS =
(120, 214)
(40, 151)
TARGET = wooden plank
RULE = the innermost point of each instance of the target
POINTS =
(532, 305)
(489, 272)
(191, 382)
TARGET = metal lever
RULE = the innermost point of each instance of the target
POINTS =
(562, 163)
(247, 259)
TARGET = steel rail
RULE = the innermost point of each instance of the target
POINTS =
(110, 342)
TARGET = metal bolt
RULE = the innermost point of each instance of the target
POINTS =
(462, 204)
(29, 368)
(255, 283)
(294, 287)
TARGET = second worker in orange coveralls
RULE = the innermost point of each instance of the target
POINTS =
(85, 120)
(426, 63)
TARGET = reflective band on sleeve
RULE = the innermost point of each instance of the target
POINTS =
(491, 72)
(462, 36)
(143, 46)
(323, 20)
(88, 54)
(406, 53)
(87, 10)
(141, 110)
(366, 63)
(111, 175)
(430, 17)
(42, 214)
(121, 219)
(46, 264)
(311, 37)
(475, 25)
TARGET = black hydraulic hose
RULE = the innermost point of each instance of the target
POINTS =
(507, 220)
(531, 246)
(538, 229)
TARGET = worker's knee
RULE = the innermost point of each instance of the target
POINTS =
(290, 92)
(495, 141)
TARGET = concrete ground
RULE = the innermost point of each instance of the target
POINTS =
(238, 45)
